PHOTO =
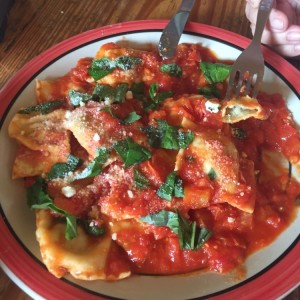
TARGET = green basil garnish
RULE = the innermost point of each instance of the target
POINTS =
(113, 94)
(76, 98)
(139, 180)
(131, 152)
(215, 72)
(138, 91)
(104, 66)
(168, 137)
(94, 229)
(156, 98)
(212, 174)
(43, 108)
(173, 186)
(172, 69)
(190, 236)
(127, 62)
(131, 118)
(94, 168)
(60, 170)
(37, 198)
(239, 133)
(210, 91)
(101, 67)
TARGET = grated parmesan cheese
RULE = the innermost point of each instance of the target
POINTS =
(96, 137)
(130, 194)
(212, 106)
(230, 220)
(68, 191)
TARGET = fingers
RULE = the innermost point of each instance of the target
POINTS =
(279, 33)
(278, 20)
(290, 36)
(288, 50)
(286, 43)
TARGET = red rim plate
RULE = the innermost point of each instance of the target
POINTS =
(281, 277)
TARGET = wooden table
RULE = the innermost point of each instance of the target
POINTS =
(35, 25)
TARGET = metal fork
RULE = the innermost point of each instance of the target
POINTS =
(251, 60)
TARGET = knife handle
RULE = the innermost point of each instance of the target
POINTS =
(186, 5)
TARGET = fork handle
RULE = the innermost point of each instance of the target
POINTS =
(264, 10)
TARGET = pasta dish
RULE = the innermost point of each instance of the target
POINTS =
(138, 165)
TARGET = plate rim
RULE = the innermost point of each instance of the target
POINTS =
(13, 87)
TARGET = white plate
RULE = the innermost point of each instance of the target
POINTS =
(271, 272)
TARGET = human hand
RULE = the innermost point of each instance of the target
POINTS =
(282, 32)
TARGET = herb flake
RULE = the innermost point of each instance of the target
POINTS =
(131, 152)
(37, 198)
(167, 136)
(190, 236)
(172, 69)
(215, 72)
(43, 108)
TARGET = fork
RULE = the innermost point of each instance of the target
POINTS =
(251, 60)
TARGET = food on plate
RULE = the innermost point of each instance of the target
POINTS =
(134, 164)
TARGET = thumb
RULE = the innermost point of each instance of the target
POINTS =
(281, 16)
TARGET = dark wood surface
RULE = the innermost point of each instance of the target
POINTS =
(35, 25)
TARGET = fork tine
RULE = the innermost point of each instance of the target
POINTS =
(239, 84)
(230, 84)
(257, 85)
(249, 84)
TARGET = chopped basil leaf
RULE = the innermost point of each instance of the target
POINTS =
(101, 67)
(190, 236)
(131, 118)
(157, 98)
(131, 152)
(168, 137)
(178, 187)
(37, 198)
(71, 228)
(109, 111)
(60, 170)
(153, 91)
(76, 98)
(239, 133)
(203, 236)
(94, 168)
(173, 186)
(172, 69)
(127, 62)
(94, 229)
(139, 180)
(163, 218)
(210, 91)
(113, 94)
(215, 72)
(36, 195)
(297, 201)
(104, 66)
(43, 108)
(212, 174)
(138, 91)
